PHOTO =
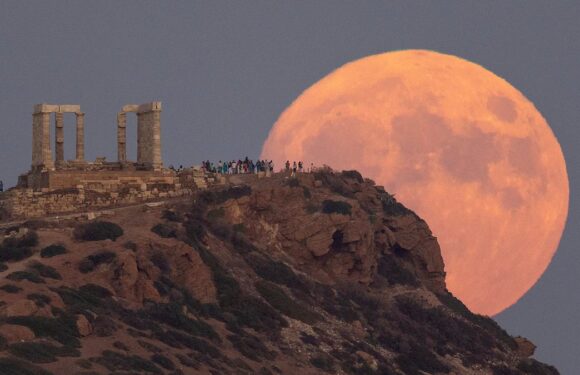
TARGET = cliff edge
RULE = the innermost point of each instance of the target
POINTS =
(322, 273)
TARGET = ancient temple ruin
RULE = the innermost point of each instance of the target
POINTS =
(55, 186)
(50, 170)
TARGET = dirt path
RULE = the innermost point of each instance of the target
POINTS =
(73, 215)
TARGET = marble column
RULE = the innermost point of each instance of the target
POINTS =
(59, 136)
(80, 149)
(122, 137)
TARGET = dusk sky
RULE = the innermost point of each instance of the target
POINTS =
(225, 70)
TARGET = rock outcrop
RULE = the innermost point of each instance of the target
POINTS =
(323, 273)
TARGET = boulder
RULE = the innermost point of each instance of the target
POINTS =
(16, 333)
(22, 307)
(525, 348)
(83, 326)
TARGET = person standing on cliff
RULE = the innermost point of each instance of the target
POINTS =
(1, 186)
(287, 166)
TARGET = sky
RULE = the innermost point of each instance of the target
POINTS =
(225, 70)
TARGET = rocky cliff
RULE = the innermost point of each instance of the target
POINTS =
(323, 273)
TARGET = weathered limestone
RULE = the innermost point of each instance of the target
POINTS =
(148, 134)
(41, 151)
(59, 136)
(122, 136)
(80, 149)
(41, 148)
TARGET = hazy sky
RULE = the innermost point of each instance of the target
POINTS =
(226, 69)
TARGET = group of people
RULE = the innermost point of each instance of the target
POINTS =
(297, 167)
(245, 166)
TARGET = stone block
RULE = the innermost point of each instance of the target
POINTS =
(148, 107)
(130, 108)
(74, 108)
(45, 108)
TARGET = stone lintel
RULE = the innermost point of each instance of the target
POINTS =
(45, 108)
(55, 108)
(149, 107)
(130, 108)
(74, 108)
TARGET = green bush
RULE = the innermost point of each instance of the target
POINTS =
(396, 273)
(172, 315)
(91, 262)
(251, 347)
(323, 362)
(33, 277)
(14, 366)
(41, 300)
(338, 207)
(276, 272)
(36, 352)
(160, 260)
(353, 175)
(14, 254)
(391, 207)
(278, 299)
(30, 239)
(96, 291)
(52, 250)
(98, 231)
(532, 367)
(171, 215)
(10, 288)
(115, 361)
(420, 358)
(165, 230)
(44, 270)
(62, 329)
(163, 361)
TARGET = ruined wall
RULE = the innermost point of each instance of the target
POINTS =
(26, 203)
(76, 191)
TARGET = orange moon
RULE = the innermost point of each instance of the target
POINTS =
(458, 145)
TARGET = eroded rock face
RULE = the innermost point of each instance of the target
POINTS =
(344, 246)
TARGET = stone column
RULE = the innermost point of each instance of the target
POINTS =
(80, 151)
(149, 135)
(122, 137)
(59, 136)
(156, 139)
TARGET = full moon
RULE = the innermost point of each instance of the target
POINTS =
(457, 144)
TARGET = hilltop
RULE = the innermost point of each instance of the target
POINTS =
(323, 273)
